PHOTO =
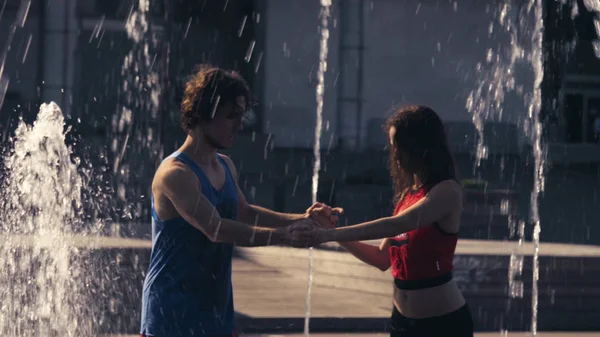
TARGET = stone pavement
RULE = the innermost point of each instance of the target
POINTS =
(479, 334)
(270, 300)
(270, 285)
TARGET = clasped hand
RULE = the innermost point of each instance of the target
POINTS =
(314, 229)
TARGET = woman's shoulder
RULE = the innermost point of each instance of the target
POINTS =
(447, 188)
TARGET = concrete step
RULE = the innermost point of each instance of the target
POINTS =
(270, 286)
(478, 334)
(483, 279)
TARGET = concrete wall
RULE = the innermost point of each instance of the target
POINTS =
(291, 63)
(22, 58)
(20, 67)
(423, 52)
(34, 77)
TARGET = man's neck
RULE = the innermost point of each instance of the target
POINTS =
(199, 150)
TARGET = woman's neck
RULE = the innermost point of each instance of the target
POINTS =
(417, 182)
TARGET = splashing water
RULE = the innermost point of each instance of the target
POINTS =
(594, 6)
(140, 77)
(133, 124)
(503, 80)
(325, 13)
(487, 101)
(497, 77)
(41, 280)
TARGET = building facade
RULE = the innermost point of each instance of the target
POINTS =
(381, 54)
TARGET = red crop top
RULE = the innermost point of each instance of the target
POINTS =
(421, 258)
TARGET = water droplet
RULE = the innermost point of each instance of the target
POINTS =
(3, 88)
(187, 28)
(23, 12)
(596, 45)
(26, 51)
(504, 206)
(242, 26)
(286, 51)
(215, 106)
(250, 50)
(258, 62)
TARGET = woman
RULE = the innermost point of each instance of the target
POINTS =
(420, 237)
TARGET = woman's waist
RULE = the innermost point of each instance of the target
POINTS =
(414, 279)
(429, 302)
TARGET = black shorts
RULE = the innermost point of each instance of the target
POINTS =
(455, 324)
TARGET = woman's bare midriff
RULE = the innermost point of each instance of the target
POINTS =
(429, 302)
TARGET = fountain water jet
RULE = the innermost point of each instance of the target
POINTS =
(325, 13)
(486, 102)
(43, 274)
(135, 124)
(539, 150)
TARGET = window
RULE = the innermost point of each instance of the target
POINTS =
(581, 115)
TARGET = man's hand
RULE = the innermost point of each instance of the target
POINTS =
(298, 234)
(324, 215)
(306, 234)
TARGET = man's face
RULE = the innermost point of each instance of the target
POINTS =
(225, 124)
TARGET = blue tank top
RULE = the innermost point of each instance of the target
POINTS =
(187, 290)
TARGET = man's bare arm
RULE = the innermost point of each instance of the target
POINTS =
(268, 218)
(187, 198)
(254, 214)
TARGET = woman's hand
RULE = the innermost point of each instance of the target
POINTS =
(324, 215)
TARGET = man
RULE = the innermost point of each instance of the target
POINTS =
(199, 213)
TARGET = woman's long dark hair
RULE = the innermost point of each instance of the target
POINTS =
(419, 148)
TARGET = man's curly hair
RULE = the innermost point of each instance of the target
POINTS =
(207, 87)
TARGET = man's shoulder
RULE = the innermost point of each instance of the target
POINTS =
(228, 161)
(171, 173)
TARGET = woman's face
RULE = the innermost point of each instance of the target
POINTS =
(402, 158)
(391, 135)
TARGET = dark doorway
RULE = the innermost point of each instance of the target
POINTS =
(573, 114)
